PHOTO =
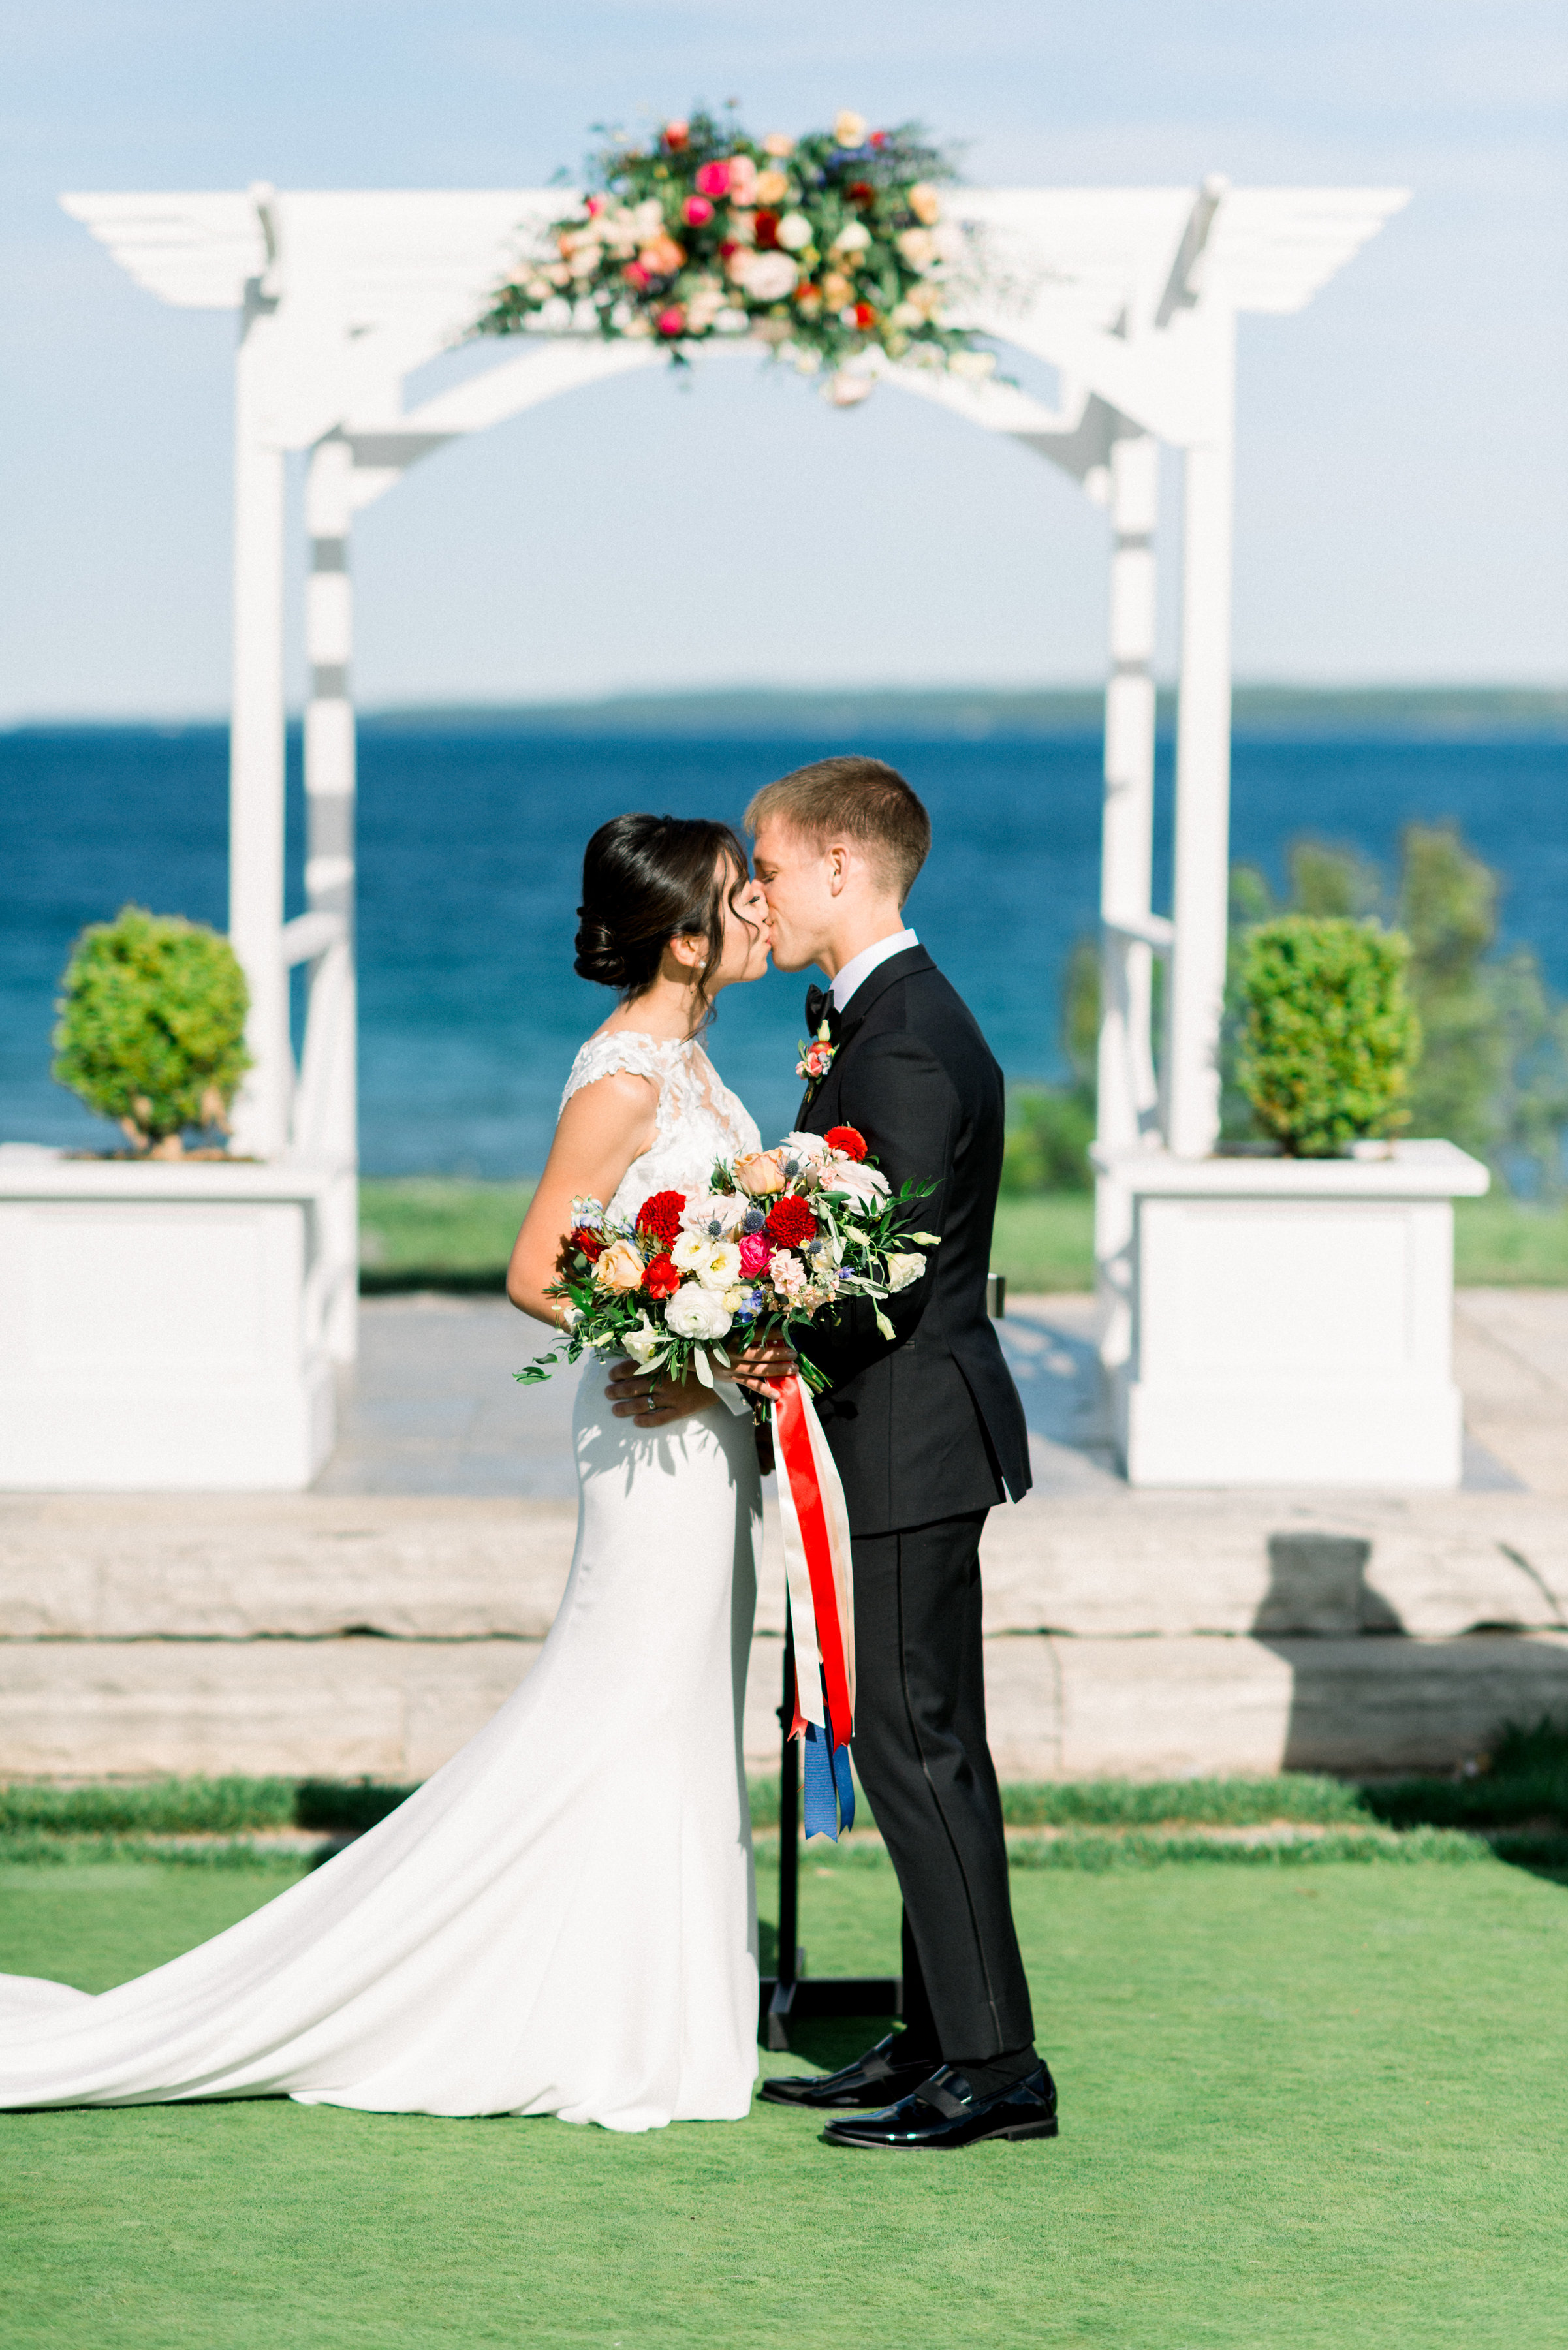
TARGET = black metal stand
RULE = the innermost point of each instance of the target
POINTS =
(791, 1994)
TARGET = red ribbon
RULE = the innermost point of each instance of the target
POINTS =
(798, 1458)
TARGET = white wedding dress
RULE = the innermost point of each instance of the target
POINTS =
(562, 1920)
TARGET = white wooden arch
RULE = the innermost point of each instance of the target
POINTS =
(1131, 294)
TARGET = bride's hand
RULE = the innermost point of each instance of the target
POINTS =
(654, 1399)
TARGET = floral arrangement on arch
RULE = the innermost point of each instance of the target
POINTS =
(826, 247)
(779, 1239)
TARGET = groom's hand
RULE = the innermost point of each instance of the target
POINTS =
(654, 1399)
(760, 1367)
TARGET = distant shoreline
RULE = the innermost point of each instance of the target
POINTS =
(1438, 714)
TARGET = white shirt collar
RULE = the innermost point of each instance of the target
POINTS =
(861, 966)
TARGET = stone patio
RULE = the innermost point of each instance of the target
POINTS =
(371, 1625)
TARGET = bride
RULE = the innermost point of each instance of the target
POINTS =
(562, 1920)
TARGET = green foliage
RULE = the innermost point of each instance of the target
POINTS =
(1048, 1137)
(1495, 1076)
(1328, 1034)
(1195, 1803)
(152, 1029)
(1050, 1127)
(227, 1806)
(1493, 1073)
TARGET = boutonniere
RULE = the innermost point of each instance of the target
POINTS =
(815, 1056)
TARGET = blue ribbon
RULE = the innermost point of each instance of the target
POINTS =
(829, 1787)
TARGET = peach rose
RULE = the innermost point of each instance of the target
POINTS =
(619, 1267)
(759, 1176)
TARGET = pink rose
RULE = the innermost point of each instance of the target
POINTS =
(714, 180)
(697, 211)
(743, 174)
(672, 321)
(755, 1250)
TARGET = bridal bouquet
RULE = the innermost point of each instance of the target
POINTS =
(778, 1240)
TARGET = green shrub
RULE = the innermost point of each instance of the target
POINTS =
(1048, 1137)
(153, 1022)
(1328, 1032)
(1050, 1127)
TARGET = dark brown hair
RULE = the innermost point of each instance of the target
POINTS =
(854, 799)
(648, 879)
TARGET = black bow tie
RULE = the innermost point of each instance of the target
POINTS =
(819, 1006)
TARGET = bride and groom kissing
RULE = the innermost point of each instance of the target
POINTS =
(563, 1918)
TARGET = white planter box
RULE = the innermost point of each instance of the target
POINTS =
(162, 1324)
(1291, 1319)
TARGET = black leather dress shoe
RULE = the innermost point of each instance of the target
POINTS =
(945, 2112)
(879, 2078)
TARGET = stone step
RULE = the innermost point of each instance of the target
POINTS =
(1103, 1564)
(1059, 1708)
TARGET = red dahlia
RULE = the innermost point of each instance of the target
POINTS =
(847, 1140)
(661, 1280)
(660, 1215)
(790, 1222)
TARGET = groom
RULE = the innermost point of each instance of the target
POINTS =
(927, 1432)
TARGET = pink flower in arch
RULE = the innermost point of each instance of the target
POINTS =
(697, 212)
(672, 321)
(713, 179)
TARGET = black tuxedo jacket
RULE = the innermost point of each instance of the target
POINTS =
(929, 1425)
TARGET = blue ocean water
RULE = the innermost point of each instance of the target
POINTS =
(470, 850)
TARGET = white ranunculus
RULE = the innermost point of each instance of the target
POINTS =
(903, 1267)
(643, 1342)
(697, 1313)
(853, 237)
(770, 277)
(793, 232)
(803, 1145)
(853, 1180)
(919, 247)
(714, 1214)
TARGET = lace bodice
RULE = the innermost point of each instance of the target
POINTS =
(700, 1120)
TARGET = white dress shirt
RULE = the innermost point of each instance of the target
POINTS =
(861, 966)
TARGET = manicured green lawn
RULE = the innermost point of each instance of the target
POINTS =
(436, 1229)
(440, 1231)
(1314, 2109)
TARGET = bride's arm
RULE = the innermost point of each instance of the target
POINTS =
(603, 1127)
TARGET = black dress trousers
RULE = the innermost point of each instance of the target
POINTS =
(921, 1753)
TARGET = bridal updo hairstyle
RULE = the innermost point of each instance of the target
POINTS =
(853, 798)
(648, 879)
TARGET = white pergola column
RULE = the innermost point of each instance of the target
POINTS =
(1203, 762)
(327, 1118)
(256, 761)
(1128, 1098)
(1126, 1086)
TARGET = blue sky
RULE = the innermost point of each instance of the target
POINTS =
(1402, 480)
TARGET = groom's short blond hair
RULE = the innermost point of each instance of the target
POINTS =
(852, 798)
